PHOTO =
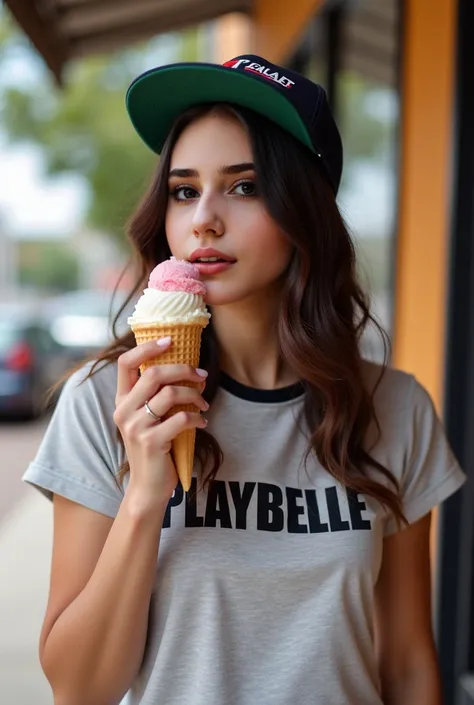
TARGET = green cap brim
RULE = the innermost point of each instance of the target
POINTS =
(156, 98)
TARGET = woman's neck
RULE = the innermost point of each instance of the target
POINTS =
(248, 344)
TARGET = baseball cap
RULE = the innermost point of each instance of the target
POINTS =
(157, 97)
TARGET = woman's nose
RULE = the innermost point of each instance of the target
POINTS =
(207, 219)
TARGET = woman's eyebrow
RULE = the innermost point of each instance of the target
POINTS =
(237, 168)
(231, 169)
(183, 173)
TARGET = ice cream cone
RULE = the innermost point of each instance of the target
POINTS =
(185, 349)
(173, 305)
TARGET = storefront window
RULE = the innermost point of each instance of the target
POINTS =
(352, 49)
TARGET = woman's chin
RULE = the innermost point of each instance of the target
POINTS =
(213, 301)
(214, 297)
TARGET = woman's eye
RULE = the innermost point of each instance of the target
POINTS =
(247, 188)
(184, 193)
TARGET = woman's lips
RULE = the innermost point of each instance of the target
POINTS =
(213, 267)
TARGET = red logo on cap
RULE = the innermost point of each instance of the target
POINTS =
(260, 70)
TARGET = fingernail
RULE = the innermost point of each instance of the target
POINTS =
(202, 373)
(206, 405)
(204, 420)
(162, 342)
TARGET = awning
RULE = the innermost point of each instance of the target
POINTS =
(65, 29)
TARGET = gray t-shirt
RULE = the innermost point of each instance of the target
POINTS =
(264, 588)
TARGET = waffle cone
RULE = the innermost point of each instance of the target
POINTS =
(184, 350)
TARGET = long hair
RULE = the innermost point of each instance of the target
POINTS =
(323, 312)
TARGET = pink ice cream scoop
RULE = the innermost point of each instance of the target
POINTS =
(177, 275)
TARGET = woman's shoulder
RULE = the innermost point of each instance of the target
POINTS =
(412, 442)
(79, 456)
(96, 378)
(87, 398)
(393, 388)
(400, 400)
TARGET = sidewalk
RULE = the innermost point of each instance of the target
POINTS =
(25, 557)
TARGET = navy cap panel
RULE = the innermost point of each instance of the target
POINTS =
(305, 95)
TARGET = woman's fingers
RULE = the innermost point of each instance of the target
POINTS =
(159, 377)
(168, 398)
(172, 427)
(129, 363)
(134, 423)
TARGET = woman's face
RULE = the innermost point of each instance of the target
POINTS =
(214, 203)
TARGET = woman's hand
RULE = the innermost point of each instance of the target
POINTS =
(148, 442)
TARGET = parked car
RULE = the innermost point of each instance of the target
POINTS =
(81, 321)
(30, 361)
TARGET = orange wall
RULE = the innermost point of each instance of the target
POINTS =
(429, 39)
(279, 25)
(422, 266)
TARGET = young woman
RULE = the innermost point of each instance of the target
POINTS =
(296, 570)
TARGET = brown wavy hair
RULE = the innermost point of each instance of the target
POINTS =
(323, 313)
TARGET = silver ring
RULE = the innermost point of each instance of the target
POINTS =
(152, 413)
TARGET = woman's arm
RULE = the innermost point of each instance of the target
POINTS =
(95, 627)
(103, 569)
(404, 639)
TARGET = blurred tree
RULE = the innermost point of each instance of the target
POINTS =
(50, 266)
(85, 128)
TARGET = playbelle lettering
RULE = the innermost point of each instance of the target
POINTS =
(268, 507)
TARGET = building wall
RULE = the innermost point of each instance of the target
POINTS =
(279, 25)
(428, 70)
(424, 210)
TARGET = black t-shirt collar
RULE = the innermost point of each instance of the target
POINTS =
(262, 396)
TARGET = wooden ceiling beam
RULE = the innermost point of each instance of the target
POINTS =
(103, 42)
(48, 43)
(103, 15)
